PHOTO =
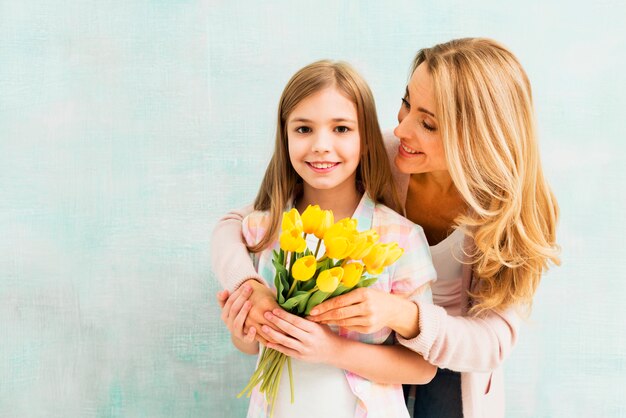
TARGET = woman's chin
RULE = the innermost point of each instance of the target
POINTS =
(406, 167)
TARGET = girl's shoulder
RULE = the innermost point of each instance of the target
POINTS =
(255, 226)
(385, 216)
(391, 226)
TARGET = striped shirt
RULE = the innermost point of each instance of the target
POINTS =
(411, 276)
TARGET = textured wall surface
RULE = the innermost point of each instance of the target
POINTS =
(128, 127)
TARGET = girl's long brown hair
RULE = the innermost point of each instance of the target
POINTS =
(374, 172)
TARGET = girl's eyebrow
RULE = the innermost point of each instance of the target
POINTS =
(304, 120)
(421, 109)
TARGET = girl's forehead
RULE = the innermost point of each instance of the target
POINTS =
(327, 103)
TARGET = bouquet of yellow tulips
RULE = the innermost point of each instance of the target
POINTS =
(352, 259)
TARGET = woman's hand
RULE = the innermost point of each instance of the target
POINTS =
(368, 310)
(301, 339)
(235, 309)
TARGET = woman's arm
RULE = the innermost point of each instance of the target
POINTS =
(464, 344)
(232, 265)
(235, 309)
(229, 255)
(315, 343)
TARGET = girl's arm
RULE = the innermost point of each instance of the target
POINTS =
(316, 343)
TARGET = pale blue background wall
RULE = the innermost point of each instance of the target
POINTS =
(128, 127)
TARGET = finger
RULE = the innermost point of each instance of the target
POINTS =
(286, 327)
(338, 314)
(348, 299)
(282, 339)
(260, 339)
(284, 350)
(237, 305)
(260, 335)
(249, 337)
(231, 300)
(240, 318)
(350, 323)
(222, 297)
(289, 328)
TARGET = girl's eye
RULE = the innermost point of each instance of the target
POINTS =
(303, 130)
(428, 127)
(342, 129)
(406, 103)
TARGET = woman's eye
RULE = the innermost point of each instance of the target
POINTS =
(342, 129)
(427, 126)
(303, 130)
(406, 103)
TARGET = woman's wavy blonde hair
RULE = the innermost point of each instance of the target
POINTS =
(373, 172)
(486, 117)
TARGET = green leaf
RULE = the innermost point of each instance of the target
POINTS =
(341, 289)
(315, 299)
(303, 303)
(324, 264)
(294, 301)
(279, 282)
(367, 282)
(308, 285)
(338, 263)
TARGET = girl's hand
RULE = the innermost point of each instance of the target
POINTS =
(366, 311)
(235, 309)
(301, 339)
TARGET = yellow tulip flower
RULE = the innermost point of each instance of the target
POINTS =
(292, 220)
(363, 243)
(339, 239)
(328, 280)
(317, 221)
(381, 256)
(304, 268)
(292, 240)
(351, 274)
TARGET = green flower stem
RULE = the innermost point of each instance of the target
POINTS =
(276, 386)
(317, 249)
(271, 369)
(290, 377)
(313, 290)
(291, 289)
(266, 356)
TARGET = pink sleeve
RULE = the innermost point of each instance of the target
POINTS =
(464, 344)
(230, 259)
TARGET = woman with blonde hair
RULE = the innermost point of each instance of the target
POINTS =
(467, 168)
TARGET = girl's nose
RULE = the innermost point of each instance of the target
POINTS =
(322, 142)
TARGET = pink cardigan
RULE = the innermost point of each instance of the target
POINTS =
(474, 346)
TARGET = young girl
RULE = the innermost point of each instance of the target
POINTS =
(326, 122)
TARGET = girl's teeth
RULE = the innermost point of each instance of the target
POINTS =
(407, 149)
(326, 165)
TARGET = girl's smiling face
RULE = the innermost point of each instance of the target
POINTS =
(421, 145)
(324, 142)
